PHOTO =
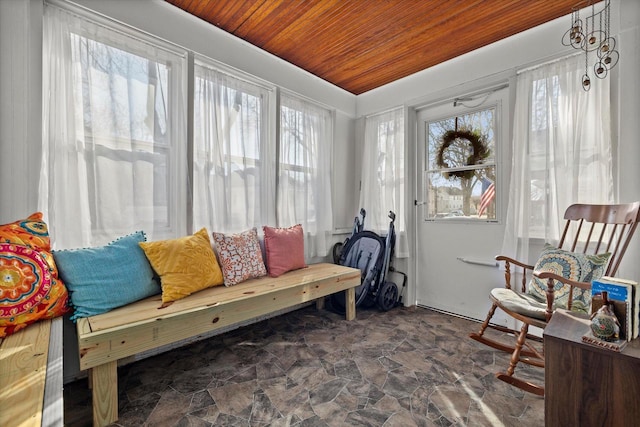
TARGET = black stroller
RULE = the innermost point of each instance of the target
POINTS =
(372, 254)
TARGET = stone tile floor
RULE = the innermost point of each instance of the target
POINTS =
(405, 367)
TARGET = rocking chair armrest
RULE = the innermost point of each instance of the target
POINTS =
(513, 261)
(545, 275)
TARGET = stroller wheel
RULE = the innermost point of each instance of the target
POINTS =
(387, 296)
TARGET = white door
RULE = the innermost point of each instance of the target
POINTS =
(459, 222)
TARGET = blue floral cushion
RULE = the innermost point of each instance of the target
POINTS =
(571, 265)
(103, 278)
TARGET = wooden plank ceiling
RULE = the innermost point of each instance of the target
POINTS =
(360, 45)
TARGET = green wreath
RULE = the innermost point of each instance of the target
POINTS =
(480, 152)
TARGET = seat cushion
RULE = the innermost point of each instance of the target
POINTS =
(571, 265)
(524, 304)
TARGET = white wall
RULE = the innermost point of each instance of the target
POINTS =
(20, 105)
(626, 104)
(345, 205)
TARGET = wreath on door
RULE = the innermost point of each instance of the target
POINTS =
(477, 142)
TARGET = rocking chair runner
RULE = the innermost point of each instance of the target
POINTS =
(595, 229)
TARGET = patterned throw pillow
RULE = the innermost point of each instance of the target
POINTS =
(240, 256)
(102, 278)
(571, 265)
(284, 248)
(30, 289)
(31, 232)
(185, 265)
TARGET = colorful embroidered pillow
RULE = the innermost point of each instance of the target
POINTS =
(571, 265)
(103, 278)
(240, 256)
(284, 248)
(31, 232)
(185, 265)
(29, 286)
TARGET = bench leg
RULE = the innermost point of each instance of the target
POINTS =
(350, 303)
(104, 379)
(320, 303)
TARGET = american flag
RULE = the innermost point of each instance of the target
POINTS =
(488, 194)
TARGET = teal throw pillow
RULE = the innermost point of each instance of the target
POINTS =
(103, 278)
(570, 265)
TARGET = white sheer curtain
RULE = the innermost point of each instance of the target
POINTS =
(384, 175)
(561, 151)
(304, 172)
(113, 112)
(234, 153)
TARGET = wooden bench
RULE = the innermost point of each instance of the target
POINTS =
(142, 326)
(31, 376)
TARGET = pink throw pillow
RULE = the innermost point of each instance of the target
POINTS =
(284, 248)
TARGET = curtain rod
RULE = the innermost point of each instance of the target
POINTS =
(388, 110)
(548, 62)
(107, 22)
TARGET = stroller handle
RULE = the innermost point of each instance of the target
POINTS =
(392, 216)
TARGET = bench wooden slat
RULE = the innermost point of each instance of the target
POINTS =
(150, 308)
(134, 331)
(53, 411)
(23, 368)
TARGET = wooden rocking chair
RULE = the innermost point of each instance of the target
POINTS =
(589, 229)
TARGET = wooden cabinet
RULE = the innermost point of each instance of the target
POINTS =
(586, 385)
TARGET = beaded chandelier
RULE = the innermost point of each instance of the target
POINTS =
(592, 35)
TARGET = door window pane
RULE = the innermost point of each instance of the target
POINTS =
(461, 166)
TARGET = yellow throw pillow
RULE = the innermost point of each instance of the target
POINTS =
(185, 265)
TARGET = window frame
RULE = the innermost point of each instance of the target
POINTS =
(266, 161)
(328, 115)
(84, 24)
(489, 98)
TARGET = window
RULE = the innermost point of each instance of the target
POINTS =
(461, 166)
(561, 151)
(114, 117)
(384, 175)
(234, 155)
(304, 170)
